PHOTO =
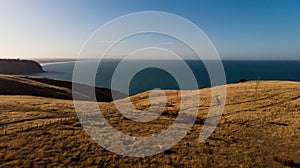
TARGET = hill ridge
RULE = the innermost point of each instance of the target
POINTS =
(50, 88)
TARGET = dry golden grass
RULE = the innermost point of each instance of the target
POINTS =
(260, 127)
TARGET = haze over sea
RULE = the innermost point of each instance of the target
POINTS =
(151, 78)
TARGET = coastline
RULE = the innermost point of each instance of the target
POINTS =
(58, 61)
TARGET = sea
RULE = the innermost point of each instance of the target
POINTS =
(154, 77)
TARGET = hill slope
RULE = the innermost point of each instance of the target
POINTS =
(260, 127)
(50, 88)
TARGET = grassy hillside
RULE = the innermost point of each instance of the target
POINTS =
(260, 127)
(44, 87)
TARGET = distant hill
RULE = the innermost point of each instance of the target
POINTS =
(18, 67)
(50, 88)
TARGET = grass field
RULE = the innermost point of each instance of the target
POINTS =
(260, 127)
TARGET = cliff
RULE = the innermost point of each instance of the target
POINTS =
(18, 67)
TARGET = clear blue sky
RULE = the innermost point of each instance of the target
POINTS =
(240, 29)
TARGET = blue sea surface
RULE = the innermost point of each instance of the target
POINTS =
(151, 78)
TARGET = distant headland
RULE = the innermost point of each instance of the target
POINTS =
(19, 67)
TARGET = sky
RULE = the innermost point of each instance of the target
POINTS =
(239, 29)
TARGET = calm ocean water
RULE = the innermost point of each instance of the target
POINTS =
(156, 78)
